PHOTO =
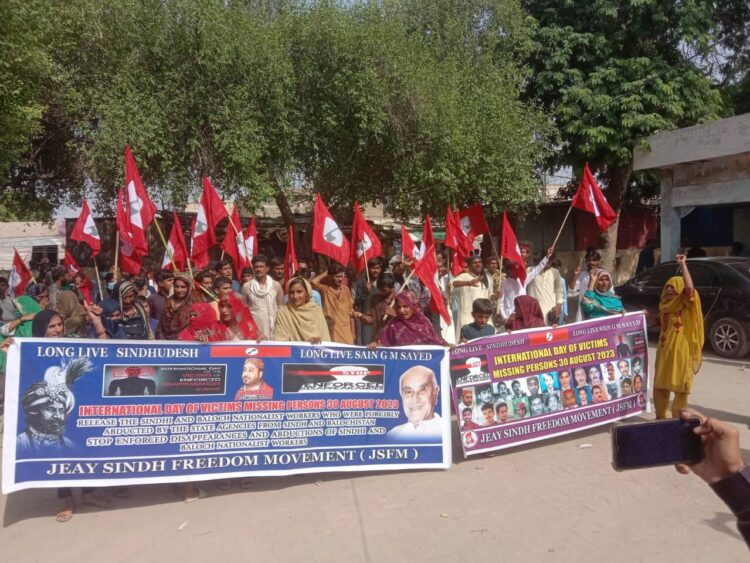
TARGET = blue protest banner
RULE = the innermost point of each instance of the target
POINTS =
(97, 413)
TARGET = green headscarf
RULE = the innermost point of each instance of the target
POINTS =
(25, 306)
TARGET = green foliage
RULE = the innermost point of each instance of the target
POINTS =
(613, 73)
(25, 66)
(413, 103)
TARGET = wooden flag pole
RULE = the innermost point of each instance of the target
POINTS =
(117, 256)
(554, 244)
(367, 270)
(400, 289)
(98, 280)
(166, 246)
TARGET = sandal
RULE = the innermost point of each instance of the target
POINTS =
(66, 512)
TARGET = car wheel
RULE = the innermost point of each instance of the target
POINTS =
(729, 338)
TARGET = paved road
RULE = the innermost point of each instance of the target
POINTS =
(555, 501)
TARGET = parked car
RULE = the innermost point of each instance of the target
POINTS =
(724, 288)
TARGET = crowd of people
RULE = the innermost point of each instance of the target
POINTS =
(385, 306)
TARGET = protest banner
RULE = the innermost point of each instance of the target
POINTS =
(106, 412)
(510, 389)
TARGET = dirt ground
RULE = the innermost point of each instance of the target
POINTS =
(558, 500)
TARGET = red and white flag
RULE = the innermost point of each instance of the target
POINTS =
(85, 230)
(426, 270)
(328, 239)
(365, 243)
(70, 263)
(130, 261)
(140, 209)
(589, 197)
(290, 258)
(409, 250)
(19, 277)
(210, 211)
(251, 241)
(456, 240)
(234, 242)
(472, 222)
(176, 247)
(509, 249)
(428, 239)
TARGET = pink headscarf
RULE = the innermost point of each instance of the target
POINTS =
(415, 330)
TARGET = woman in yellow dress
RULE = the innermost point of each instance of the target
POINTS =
(679, 353)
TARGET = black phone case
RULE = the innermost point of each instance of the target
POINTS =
(649, 440)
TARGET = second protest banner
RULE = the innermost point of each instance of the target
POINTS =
(529, 385)
(102, 412)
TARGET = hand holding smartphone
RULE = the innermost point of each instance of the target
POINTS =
(651, 444)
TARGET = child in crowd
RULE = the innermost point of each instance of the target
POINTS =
(481, 312)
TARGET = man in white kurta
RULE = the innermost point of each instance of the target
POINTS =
(547, 289)
(512, 286)
(469, 285)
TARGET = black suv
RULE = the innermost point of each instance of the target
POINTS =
(724, 287)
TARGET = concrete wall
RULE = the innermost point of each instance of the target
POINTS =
(718, 139)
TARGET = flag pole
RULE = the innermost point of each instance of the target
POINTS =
(400, 289)
(164, 242)
(367, 270)
(117, 256)
(98, 280)
(554, 244)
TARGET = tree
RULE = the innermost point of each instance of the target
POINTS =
(612, 73)
(412, 103)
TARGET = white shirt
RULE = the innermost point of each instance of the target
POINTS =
(512, 288)
(432, 428)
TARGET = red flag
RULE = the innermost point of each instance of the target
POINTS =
(70, 263)
(234, 242)
(509, 249)
(589, 197)
(140, 208)
(130, 261)
(428, 239)
(365, 243)
(85, 230)
(251, 241)
(210, 211)
(290, 258)
(408, 248)
(176, 247)
(472, 222)
(122, 218)
(328, 239)
(19, 277)
(456, 240)
(426, 270)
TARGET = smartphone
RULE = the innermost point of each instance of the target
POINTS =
(651, 444)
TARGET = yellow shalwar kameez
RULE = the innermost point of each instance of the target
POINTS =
(679, 353)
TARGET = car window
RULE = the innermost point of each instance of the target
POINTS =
(657, 277)
(703, 276)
